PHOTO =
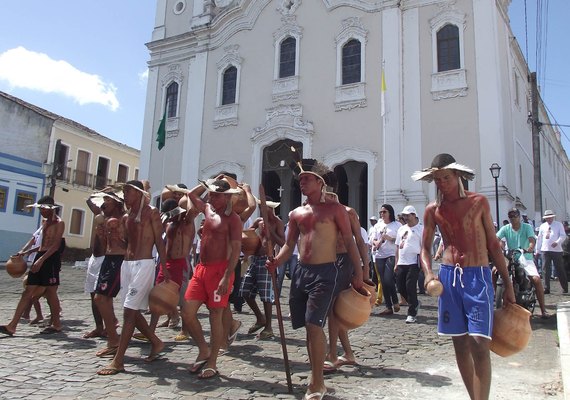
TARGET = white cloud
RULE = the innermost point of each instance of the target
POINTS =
(143, 77)
(22, 68)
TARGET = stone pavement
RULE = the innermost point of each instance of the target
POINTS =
(396, 360)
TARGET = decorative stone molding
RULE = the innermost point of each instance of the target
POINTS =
(350, 96)
(288, 7)
(172, 127)
(449, 84)
(285, 88)
(174, 74)
(223, 166)
(281, 122)
(350, 153)
(226, 116)
(364, 5)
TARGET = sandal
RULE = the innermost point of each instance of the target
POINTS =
(254, 328)
(265, 335)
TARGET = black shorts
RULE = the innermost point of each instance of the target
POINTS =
(345, 272)
(48, 275)
(109, 281)
(312, 293)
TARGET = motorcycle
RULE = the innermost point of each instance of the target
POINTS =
(525, 293)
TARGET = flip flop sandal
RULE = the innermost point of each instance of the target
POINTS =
(254, 328)
(233, 336)
(329, 367)
(107, 352)
(110, 371)
(265, 335)
(197, 366)
(205, 373)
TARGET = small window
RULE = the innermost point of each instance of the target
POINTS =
(24, 199)
(76, 225)
(351, 62)
(448, 48)
(122, 173)
(172, 100)
(229, 86)
(287, 57)
(136, 174)
(3, 198)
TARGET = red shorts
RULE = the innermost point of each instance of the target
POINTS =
(176, 268)
(204, 284)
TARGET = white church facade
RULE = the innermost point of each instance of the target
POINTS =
(241, 81)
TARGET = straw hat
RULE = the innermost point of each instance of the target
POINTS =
(440, 162)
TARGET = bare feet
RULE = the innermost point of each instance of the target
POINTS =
(94, 334)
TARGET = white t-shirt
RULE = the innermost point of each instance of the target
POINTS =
(409, 241)
(549, 234)
(388, 247)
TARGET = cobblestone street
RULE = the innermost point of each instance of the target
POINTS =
(396, 360)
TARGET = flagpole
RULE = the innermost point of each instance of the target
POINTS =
(383, 114)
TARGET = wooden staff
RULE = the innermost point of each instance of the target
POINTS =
(269, 251)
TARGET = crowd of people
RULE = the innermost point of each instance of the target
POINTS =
(323, 249)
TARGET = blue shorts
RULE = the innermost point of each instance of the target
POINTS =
(312, 293)
(466, 305)
(257, 280)
(345, 271)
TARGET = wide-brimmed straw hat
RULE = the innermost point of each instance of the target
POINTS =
(441, 162)
(549, 214)
(268, 203)
(218, 186)
(46, 202)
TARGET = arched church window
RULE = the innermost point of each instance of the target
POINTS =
(448, 56)
(351, 61)
(229, 86)
(287, 52)
(172, 100)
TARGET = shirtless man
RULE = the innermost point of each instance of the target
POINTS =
(213, 277)
(466, 226)
(109, 279)
(180, 232)
(315, 227)
(98, 242)
(346, 270)
(143, 231)
(43, 279)
(257, 279)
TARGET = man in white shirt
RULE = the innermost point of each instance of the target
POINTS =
(408, 247)
(551, 235)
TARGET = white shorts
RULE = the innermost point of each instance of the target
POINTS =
(530, 268)
(137, 280)
(93, 268)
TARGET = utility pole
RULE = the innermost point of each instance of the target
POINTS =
(55, 168)
(536, 144)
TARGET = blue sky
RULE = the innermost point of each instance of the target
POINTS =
(86, 60)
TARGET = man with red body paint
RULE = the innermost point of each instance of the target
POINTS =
(466, 304)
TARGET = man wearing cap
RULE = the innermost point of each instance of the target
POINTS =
(143, 231)
(408, 246)
(466, 304)
(109, 279)
(315, 226)
(551, 235)
(213, 277)
(520, 235)
(43, 279)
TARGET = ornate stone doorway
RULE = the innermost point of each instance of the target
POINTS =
(352, 179)
(277, 177)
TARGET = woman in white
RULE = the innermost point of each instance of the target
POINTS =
(384, 259)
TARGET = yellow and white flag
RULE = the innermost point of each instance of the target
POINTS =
(383, 95)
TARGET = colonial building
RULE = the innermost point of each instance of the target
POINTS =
(374, 89)
(44, 153)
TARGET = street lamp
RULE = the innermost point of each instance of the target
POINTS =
(495, 172)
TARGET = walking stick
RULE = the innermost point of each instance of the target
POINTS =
(269, 251)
